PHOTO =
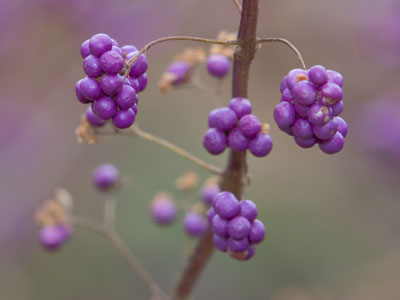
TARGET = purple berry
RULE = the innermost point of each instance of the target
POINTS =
(215, 141)
(53, 236)
(100, 43)
(135, 110)
(85, 49)
(250, 252)
(208, 192)
(180, 70)
(304, 93)
(318, 75)
(239, 228)
(134, 83)
(305, 143)
(210, 214)
(128, 49)
(261, 145)
(284, 114)
(342, 126)
(218, 65)
(248, 209)
(163, 210)
(286, 95)
(318, 114)
(220, 226)
(301, 110)
(257, 232)
(226, 205)
(105, 177)
(139, 66)
(117, 49)
(333, 145)
(335, 77)
(114, 43)
(295, 76)
(79, 94)
(91, 66)
(302, 128)
(241, 106)
(110, 84)
(283, 84)
(93, 119)
(337, 108)
(126, 97)
(326, 131)
(238, 245)
(90, 88)
(111, 62)
(124, 118)
(194, 224)
(220, 243)
(237, 141)
(142, 80)
(250, 125)
(222, 118)
(332, 92)
(105, 108)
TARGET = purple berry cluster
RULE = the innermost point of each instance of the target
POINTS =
(235, 226)
(111, 97)
(236, 127)
(310, 107)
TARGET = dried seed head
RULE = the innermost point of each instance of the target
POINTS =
(85, 132)
(187, 181)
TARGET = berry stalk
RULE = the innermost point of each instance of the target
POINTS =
(234, 178)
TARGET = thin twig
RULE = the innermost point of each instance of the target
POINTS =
(238, 6)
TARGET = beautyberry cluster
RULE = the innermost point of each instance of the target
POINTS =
(111, 97)
(236, 127)
(310, 106)
(235, 226)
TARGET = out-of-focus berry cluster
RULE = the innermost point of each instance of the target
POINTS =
(310, 107)
(111, 97)
(234, 224)
(236, 127)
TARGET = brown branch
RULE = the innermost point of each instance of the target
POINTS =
(235, 176)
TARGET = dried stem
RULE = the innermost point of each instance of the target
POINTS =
(238, 6)
(235, 176)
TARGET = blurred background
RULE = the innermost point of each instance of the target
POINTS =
(332, 221)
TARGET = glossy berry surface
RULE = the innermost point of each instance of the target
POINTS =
(222, 118)
(105, 177)
(239, 228)
(194, 224)
(111, 62)
(261, 145)
(105, 108)
(93, 119)
(218, 65)
(124, 118)
(250, 125)
(241, 106)
(226, 205)
(99, 43)
(54, 236)
(215, 141)
(163, 210)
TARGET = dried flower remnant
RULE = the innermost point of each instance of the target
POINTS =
(85, 132)
(187, 182)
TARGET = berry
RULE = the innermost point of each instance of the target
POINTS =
(342, 126)
(110, 84)
(142, 81)
(208, 192)
(222, 118)
(220, 226)
(326, 131)
(105, 108)
(241, 106)
(286, 95)
(85, 49)
(100, 43)
(91, 66)
(210, 214)
(117, 49)
(194, 224)
(226, 205)
(284, 114)
(105, 177)
(248, 209)
(318, 114)
(301, 110)
(337, 108)
(304, 93)
(111, 62)
(318, 75)
(283, 84)
(332, 92)
(93, 119)
(126, 97)
(250, 252)
(294, 77)
(139, 66)
(90, 88)
(215, 141)
(250, 125)
(79, 94)
(257, 232)
(163, 210)
(180, 70)
(134, 108)
(333, 145)
(305, 143)
(218, 65)
(220, 243)
(302, 128)
(128, 49)
(53, 236)
(335, 77)
(239, 228)
(237, 141)
(238, 245)
(124, 118)
(261, 145)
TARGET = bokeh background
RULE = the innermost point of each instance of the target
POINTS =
(332, 221)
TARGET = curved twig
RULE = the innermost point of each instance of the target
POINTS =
(238, 6)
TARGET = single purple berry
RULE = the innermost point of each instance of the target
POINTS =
(220, 243)
(318, 75)
(301, 110)
(241, 106)
(284, 114)
(126, 97)
(286, 96)
(105, 108)
(53, 236)
(194, 224)
(105, 177)
(208, 192)
(237, 141)
(91, 66)
(100, 43)
(335, 77)
(295, 76)
(210, 214)
(222, 118)
(163, 210)
(215, 141)
(326, 131)
(337, 108)
(93, 119)
(111, 62)
(239, 228)
(283, 84)
(110, 84)
(248, 209)
(332, 92)
(304, 93)
(79, 94)
(134, 83)
(342, 126)
(261, 145)
(302, 128)
(142, 80)
(124, 118)
(90, 88)
(318, 114)
(257, 232)
(333, 145)
(250, 125)
(114, 43)
(305, 143)
(128, 49)
(117, 49)
(219, 226)
(238, 245)
(139, 66)
(85, 49)
(218, 65)
(250, 252)
(180, 70)
(226, 205)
